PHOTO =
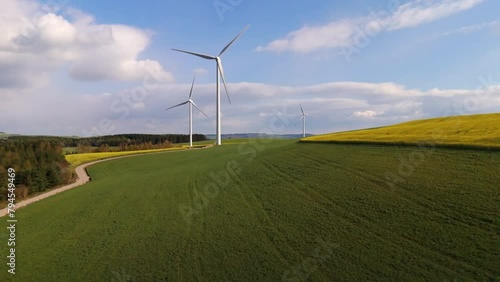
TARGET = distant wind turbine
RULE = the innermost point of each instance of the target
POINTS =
(303, 118)
(191, 104)
(219, 70)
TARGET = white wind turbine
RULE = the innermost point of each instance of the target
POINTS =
(219, 70)
(303, 118)
(191, 104)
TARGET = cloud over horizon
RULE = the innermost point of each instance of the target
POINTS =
(64, 71)
(36, 40)
(334, 106)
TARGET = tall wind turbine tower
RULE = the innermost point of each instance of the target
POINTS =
(303, 117)
(191, 104)
(218, 71)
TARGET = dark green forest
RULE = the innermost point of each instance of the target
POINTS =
(39, 165)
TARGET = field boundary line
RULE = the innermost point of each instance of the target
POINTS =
(82, 178)
(456, 146)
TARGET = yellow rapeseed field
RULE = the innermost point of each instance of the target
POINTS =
(78, 159)
(471, 130)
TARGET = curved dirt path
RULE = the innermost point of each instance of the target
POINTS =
(82, 178)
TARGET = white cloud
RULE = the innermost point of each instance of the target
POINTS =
(350, 32)
(307, 39)
(419, 12)
(200, 71)
(366, 114)
(333, 106)
(34, 42)
(473, 28)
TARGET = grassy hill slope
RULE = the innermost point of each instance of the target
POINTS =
(460, 131)
(270, 211)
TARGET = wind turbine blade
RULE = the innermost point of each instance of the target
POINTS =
(232, 41)
(191, 91)
(221, 71)
(183, 103)
(208, 57)
(192, 103)
(301, 108)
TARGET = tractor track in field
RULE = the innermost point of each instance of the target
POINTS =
(255, 206)
(82, 178)
(411, 198)
(401, 242)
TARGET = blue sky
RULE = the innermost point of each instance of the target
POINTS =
(74, 67)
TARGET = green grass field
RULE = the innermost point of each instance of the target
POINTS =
(268, 212)
(459, 131)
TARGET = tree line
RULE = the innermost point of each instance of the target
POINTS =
(40, 164)
(113, 140)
